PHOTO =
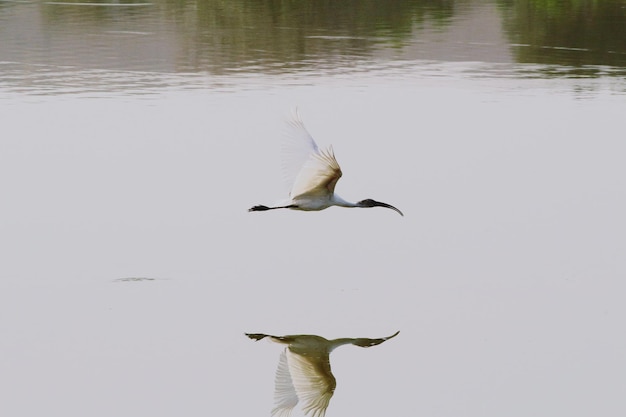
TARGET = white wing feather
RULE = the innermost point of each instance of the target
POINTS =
(296, 148)
(307, 170)
(318, 176)
(285, 397)
(313, 382)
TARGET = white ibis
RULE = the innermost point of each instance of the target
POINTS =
(303, 372)
(313, 174)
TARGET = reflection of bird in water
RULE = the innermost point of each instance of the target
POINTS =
(312, 174)
(304, 371)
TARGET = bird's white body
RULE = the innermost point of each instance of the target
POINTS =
(304, 374)
(309, 203)
(311, 174)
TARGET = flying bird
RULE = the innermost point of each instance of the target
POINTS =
(303, 372)
(312, 174)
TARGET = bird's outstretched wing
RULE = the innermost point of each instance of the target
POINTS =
(285, 396)
(306, 169)
(313, 382)
(318, 176)
(296, 148)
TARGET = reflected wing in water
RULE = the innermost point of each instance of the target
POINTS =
(285, 396)
(313, 381)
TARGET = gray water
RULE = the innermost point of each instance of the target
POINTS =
(135, 136)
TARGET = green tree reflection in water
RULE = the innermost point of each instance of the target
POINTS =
(284, 35)
(573, 37)
(582, 34)
(269, 35)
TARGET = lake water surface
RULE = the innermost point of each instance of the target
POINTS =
(136, 134)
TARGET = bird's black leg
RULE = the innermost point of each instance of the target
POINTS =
(265, 208)
(259, 208)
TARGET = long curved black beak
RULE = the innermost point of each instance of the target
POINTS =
(363, 342)
(392, 336)
(389, 206)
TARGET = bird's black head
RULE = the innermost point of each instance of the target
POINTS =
(373, 203)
